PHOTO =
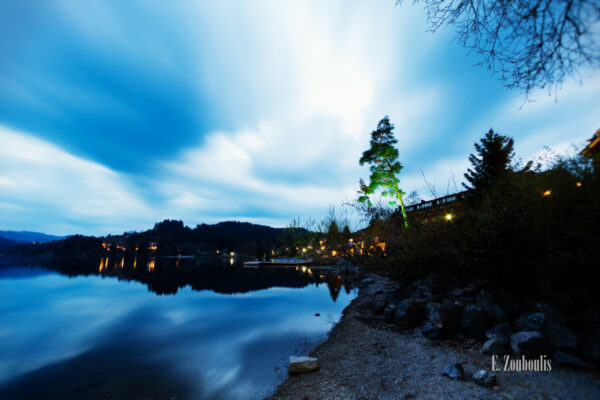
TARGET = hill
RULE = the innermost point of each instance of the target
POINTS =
(169, 237)
(29, 237)
(7, 244)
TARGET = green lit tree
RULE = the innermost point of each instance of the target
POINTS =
(493, 161)
(383, 159)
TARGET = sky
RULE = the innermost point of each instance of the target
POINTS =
(117, 114)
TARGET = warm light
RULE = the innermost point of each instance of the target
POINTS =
(231, 261)
(303, 269)
(134, 263)
(103, 262)
(333, 253)
(217, 251)
(578, 184)
(448, 217)
(272, 251)
(547, 193)
(152, 247)
(304, 249)
(232, 254)
(322, 247)
(151, 264)
(122, 262)
(320, 242)
(351, 240)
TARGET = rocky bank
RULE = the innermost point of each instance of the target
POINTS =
(421, 343)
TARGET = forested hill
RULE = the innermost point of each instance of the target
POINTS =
(169, 237)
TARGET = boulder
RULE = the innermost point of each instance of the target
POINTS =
(408, 313)
(535, 322)
(501, 330)
(495, 345)
(530, 344)
(302, 365)
(474, 322)
(378, 304)
(389, 312)
(446, 317)
(430, 331)
(454, 371)
(484, 378)
(367, 281)
(490, 307)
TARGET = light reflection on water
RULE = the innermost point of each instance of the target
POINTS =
(96, 336)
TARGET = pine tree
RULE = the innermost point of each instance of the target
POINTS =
(383, 158)
(493, 161)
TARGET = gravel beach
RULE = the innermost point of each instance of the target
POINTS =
(366, 358)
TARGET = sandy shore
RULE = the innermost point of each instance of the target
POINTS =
(366, 358)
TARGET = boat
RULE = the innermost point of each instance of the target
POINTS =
(283, 262)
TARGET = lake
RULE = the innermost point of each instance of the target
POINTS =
(182, 328)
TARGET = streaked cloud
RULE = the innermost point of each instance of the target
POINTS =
(118, 114)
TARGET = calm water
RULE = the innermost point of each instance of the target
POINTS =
(170, 328)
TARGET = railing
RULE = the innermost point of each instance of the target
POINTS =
(440, 201)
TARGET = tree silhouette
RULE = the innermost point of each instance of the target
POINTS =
(531, 43)
(493, 160)
(383, 158)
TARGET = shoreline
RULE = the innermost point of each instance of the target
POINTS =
(365, 357)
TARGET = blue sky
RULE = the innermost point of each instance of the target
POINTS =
(117, 114)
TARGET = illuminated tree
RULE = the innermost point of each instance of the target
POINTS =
(383, 159)
(531, 43)
(492, 162)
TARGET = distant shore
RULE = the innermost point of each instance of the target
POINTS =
(365, 357)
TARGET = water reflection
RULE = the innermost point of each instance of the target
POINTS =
(167, 275)
(97, 329)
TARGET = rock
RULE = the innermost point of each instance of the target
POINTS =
(531, 344)
(378, 304)
(367, 281)
(459, 304)
(484, 378)
(495, 345)
(562, 358)
(454, 371)
(408, 314)
(444, 317)
(474, 322)
(490, 307)
(535, 322)
(430, 331)
(561, 337)
(389, 312)
(301, 365)
(501, 330)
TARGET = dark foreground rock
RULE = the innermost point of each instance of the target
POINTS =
(366, 357)
(302, 365)
(530, 344)
(454, 371)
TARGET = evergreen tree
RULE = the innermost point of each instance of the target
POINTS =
(493, 161)
(383, 158)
